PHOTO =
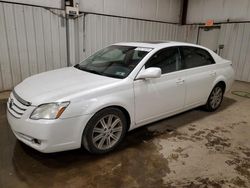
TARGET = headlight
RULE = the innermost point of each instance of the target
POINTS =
(49, 111)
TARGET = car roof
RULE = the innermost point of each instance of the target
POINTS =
(157, 44)
(160, 44)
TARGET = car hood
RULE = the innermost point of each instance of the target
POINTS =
(59, 84)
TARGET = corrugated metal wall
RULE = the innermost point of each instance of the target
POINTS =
(160, 10)
(58, 4)
(102, 31)
(218, 10)
(32, 40)
(188, 33)
(236, 38)
(79, 43)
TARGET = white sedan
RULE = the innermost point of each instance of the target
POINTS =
(119, 88)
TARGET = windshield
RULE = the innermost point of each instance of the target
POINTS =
(114, 61)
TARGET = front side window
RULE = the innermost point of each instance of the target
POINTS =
(114, 61)
(195, 57)
(167, 59)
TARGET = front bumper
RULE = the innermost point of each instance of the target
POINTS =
(49, 135)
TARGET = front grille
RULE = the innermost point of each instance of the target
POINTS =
(16, 105)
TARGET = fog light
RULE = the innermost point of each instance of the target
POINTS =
(36, 141)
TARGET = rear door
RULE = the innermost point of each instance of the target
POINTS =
(200, 74)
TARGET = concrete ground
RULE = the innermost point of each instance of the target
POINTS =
(193, 149)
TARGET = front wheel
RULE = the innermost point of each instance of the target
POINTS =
(215, 98)
(104, 131)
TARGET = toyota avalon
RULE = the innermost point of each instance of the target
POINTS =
(121, 87)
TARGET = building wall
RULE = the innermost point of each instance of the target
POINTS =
(32, 40)
(159, 10)
(102, 31)
(57, 4)
(218, 10)
(188, 33)
(236, 38)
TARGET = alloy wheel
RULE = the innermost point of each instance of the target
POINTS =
(107, 132)
(216, 97)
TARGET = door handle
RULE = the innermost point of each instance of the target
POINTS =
(180, 81)
(212, 73)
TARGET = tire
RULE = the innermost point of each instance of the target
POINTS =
(215, 98)
(104, 131)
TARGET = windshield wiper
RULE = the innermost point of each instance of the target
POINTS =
(91, 71)
(87, 70)
(113, 76)
(96, 72)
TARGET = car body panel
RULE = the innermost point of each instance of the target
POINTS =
(199, 83)
(145, 100)
(155, 97)
(60, 84)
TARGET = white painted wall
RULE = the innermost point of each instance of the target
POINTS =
(101, 31)
(44, 3)
(32, 40)
(236, 40)
(218, 10)
(159, 10)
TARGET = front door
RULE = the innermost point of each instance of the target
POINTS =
(157, 97)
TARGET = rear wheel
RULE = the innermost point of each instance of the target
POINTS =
(215, 98)
(105, 130)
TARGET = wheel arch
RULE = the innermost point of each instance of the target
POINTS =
(208, 106)
(223, 84)
(117, 106)
(221, 81)
(124, 111)
(84, 131)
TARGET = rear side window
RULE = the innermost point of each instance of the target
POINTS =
(195, 57)
(167, 59)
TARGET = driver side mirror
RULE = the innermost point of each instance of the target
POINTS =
(152, 72)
